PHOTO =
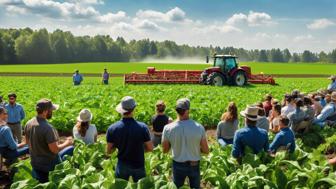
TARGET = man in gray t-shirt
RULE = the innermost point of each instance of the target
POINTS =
(43, 140)
(187, 139)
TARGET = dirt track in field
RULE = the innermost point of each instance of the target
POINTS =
(23, 74)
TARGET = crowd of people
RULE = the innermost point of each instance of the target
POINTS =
(184, 137)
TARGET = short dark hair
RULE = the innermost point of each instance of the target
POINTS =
(284, 120)
(307, 101)
(299, 103)
(180, 111)
(250, 122)
(128, 112)
(277, 108)
(12, 95)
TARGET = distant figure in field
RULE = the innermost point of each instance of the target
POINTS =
(16, 115)
(158, 122)
(77, 78)
(332, 85)
(106, 77)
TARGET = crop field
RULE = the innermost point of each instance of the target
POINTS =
(207, 102)
(267, 68)
(90, 168)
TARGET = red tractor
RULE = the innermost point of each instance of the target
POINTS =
(224, 71)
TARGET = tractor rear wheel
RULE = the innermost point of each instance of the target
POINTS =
(216, 79)
(239, 79)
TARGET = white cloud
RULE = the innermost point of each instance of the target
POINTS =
(252, 19)
(320, 24)
(88, 2)
(303, 38)
(174, 15)
(148, 25)
(16, 10)
(112, 18)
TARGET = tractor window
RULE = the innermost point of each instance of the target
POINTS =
(219, 62)
(230, 63)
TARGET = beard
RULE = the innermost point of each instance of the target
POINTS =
(49, 115)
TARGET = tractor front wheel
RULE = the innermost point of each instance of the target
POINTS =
(239, 79)
(216, 79)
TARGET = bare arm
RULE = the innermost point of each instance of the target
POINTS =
(110, 148)
(165, 146)
(204, 146)
(149, 146)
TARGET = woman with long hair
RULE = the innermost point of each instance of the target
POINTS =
(228, 125)
(84, 130)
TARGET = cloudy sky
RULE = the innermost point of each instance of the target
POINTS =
(263, 24)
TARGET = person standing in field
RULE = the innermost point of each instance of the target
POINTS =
(228, 125)
(84, 130)
(45, 149)
(132, 139)
(249, 136)
(187, 139)
(77, 78)
(16, 115)
(158, 122)
(105, 77)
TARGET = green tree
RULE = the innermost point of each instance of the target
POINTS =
(262, 56)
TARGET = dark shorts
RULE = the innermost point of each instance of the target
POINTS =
(105, 82)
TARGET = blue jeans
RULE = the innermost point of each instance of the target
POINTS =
(77, 83)
(223, 142)
(183, 170)
(12, 155)
(319, 122)
(42, 175)
(125, 171)
(105, 82)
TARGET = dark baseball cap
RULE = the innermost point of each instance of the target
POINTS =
(45, 104)
(183, 103)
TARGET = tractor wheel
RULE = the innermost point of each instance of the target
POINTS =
(239, 79)
(216, 79)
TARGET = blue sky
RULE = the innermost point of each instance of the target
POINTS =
(263, 24)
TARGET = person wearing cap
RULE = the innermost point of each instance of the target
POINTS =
(296, 117)
(267, 104)
(84, 130)
(45, 149)
(158, 122)
(187, 140)
(132, 139)
(328, 111)
(284, 139)
(9, 148)
(289, 105)
(332, 85)
(105, 77)
(228, 125)
(16, 114)
(250, 136)
(77, 78)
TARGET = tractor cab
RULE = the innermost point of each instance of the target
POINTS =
(225, 70)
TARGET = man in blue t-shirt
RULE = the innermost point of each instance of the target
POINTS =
(285, 139)
(132, 139)
(77, 78)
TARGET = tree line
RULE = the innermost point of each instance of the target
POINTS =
(40, 46)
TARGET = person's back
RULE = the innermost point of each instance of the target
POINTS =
(227, 129)
(128, 136)
(40, 133)
(285, 139)
(90, 134)
(185, 138)
(263, 123)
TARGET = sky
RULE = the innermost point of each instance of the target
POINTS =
(251, 24)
